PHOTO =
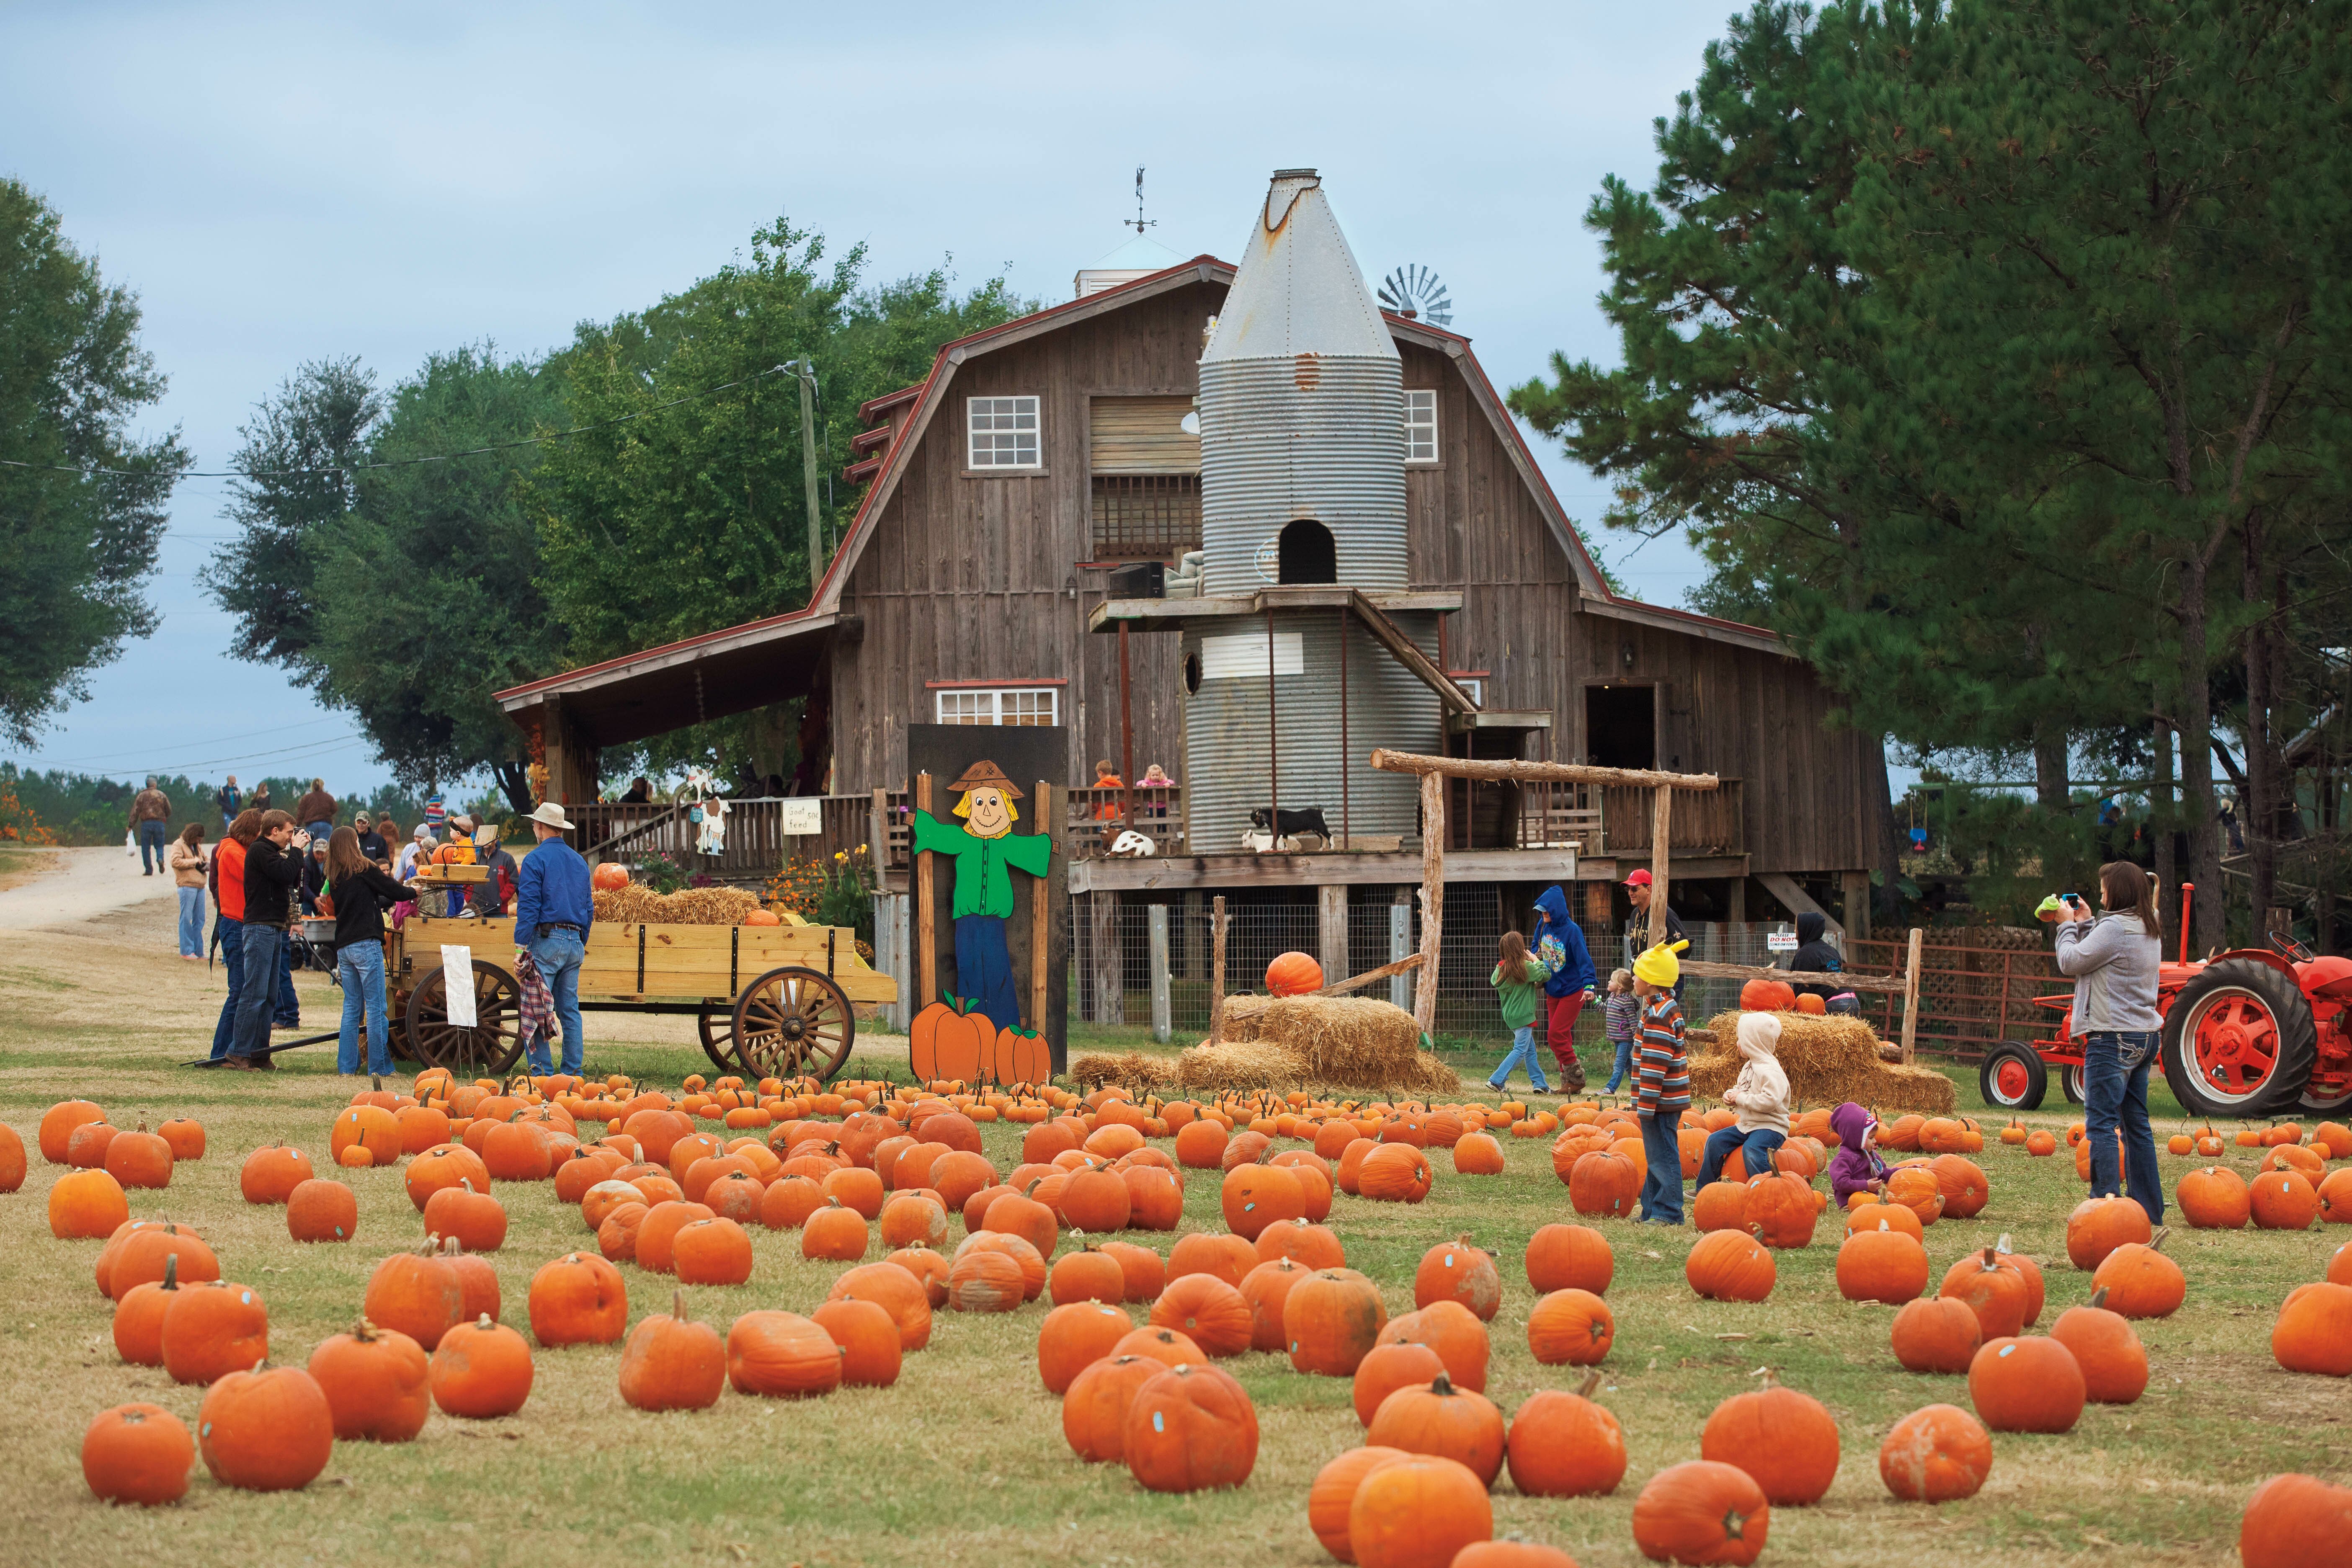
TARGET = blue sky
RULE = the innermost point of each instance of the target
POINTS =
(283, 184)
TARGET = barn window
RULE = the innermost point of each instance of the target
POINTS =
(1146, 467)
(999, 705)
(1003, 431)
(1421, 425)
(1307, 553)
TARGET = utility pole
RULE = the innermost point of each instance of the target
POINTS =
(807, 375)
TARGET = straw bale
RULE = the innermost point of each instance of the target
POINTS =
(1292, 1042)
(1132, 1070)
(1828, 1058)
(687, 906)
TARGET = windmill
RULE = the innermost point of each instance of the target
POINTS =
(1416, 293)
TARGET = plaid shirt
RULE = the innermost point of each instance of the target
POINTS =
(536, 1008)
(1662, 1076)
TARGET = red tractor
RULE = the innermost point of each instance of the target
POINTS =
(2251, 1032)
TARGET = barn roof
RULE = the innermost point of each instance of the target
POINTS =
(930, 394)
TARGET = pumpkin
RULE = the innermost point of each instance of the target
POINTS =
(144, 1250)
(1456, 1335)
(2313, 1331)
(266, 1430)
(1440, 1419)
(1020, 1056)
(1190, 1428)
(1885, 1265)
(87, 1204)
(712, 1251)
(1145, 1270)
(1812, 1004)
(2336, 1198)
(2283, 1200)
(1309, 1245)
(1939, 1453)
(12, 1159)
(1569, 1258)
(1785, 1439)
(139, 1316)
(578, 1299)
(2039, 1143)
(1086, 1275)
(1564, 1445)
(1418, 1511)
(1457, 1270)
(139, 1159)
(270, 1175)
(2100, 1224)
(1767, 996)
(985, 1281)
(1720, 1205)
(1570, 1328)
(948, 1041)
(1255, 1197)
(1266, 1292)
(833, 1233)
(1476, 1154)
(1333, 1492)
(1388, 1367)
(481, 1371)
(764, 918)
(1915, 1187)
(867, 1337)
(1074, 1338)
(59, 1124)
(1936, 1333)
(376, 1383)
(1603, 1183)
(1204, 1307)
(2114, 1362)
(2214, 1198)
(137, 1453)
(2028, 1382)
(1096, 1405)
(2140, 1281)
(1395, 1173)
(370, 1127)
(213, 1328)
(608, 875)
(1331, 1320)
(1990, 1287)
(1778, 1209)
(1292, 975)
(1729, 1266)
(2287, 1516)
(672, 1363)
(320, 1210)
(894, 1286)
(782, 1355)
(418, 1293)
(1018, 1213)
(1702, 1511)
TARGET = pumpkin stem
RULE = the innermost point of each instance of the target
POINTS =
(2156, 1242)
(1988, 1259)
(1442, 1385)
(1592, 1382)
(170, 1271)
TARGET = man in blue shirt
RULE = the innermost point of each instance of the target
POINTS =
(554, 909)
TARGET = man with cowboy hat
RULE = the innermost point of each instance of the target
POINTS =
(554, 910)
(986, 851)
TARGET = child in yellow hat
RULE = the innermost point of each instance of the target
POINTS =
(1661, 1082)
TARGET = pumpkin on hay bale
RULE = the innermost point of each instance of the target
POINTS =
(1290, 1042)
(1828, 1058)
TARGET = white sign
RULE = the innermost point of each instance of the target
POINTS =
(802, 815)
(457, 984)
(1242, 656)
(1779, 942)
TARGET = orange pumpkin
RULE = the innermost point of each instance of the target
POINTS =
(608, 875)
(948, 1042)
(764, 918)
(1767, 996)
(1292, 975)
(1020, 1056)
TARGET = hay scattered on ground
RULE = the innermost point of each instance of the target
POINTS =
(1828, 1059)
(687, 906)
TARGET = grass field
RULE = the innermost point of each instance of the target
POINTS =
(963, 1460)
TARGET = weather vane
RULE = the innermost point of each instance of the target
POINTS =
(1138, 222)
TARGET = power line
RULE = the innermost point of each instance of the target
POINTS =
(241, 735)
(308, 749)
(395, 462)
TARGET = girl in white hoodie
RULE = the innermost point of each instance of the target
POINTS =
(1760, 1095)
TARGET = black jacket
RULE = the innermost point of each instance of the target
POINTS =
(271, 875)
(359, 903)
(1815, 956)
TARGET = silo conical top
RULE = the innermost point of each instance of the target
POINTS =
(1298, 290)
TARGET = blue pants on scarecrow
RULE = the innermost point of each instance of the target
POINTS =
(984, 970)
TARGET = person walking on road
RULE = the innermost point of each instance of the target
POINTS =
(231, 800)
(2115, 960)
(315, 812)
(361, 893)
(150, 812)
(554, 910)
(188, 871)
(273, 870)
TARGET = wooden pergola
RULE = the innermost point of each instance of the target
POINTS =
(1436, 771)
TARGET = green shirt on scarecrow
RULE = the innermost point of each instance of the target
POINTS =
(986, 853)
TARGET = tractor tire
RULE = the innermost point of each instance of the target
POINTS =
(2239, 1040)
(2012, 1078)
(2072, 1082)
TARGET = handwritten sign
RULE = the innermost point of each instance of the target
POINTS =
(802, 815)
(457, 984)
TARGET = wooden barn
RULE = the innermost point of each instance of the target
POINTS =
(1042, 458)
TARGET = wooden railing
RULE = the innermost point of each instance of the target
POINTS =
(757, 842)
(1705, 821)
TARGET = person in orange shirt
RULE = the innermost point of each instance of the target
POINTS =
(1105, 778)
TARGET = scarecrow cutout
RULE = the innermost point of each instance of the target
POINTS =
(986, 852)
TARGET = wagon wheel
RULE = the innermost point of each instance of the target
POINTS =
(488, 1049)
(792, 1021)
(717, 1027)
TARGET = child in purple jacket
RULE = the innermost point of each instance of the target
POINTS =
(1855, 1167)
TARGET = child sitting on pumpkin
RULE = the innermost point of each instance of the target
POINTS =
(1760, 1095)
(1855, 1167)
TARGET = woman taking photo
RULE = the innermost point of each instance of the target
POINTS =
(188, 871)
(2114, 958)
(360, 893)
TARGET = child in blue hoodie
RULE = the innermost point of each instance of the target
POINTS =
(1559, 948)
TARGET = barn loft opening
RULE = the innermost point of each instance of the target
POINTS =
(1621, 726)
(1307, 553)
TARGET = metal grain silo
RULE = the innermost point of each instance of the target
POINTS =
(1302, 481)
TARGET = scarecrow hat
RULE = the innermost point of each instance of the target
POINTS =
(981, 774)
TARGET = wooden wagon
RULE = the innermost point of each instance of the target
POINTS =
(771, 1001)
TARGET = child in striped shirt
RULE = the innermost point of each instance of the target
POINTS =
(1620, 1013)
(1662, 1083)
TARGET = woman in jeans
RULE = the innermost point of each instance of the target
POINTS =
(229, 902)
(2113, 959)
(360, 893)
(188, 871)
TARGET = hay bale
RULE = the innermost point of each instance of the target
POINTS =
(1132, 1070)
(1293, 1042)
(1828, 1058)
(636, 903)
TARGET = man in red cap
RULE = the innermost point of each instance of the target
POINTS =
(1639, 888)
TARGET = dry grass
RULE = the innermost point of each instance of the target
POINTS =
(1828, 1060)
(963, 1460)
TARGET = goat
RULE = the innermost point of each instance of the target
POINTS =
(1308, 819)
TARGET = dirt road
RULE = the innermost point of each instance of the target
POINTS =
(82, 885)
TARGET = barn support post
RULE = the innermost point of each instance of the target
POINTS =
(1273, 745)
(1401, 948)
(1161, 1021)
(1217, 971)
(1432, 896)
(902, 967)
(1125, 742)
(1911, 995)
(927, 955)
(1346, 831)
(1110, 982)
(1041, 914)
(1331, 931)
(1661, 813)
(877, 834)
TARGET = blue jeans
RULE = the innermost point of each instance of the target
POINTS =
(1624, 1067)
(264, 965)
(984, 970)
(192, 922)
(558, 957)
(1661, 1189)
(153, 836)
(1756, 1151)
(232, 947)
(1523, 1053)
(2114, 1092)
(359, 970)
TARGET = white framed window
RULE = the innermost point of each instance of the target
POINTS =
(1473, 687)
(1039, 705)
(1421, 425)
(1002, 432)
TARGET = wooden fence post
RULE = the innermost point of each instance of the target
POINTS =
(1217, 971)
(1161, 1021)
(926, 957)
(1432, 897)
(1661, 812)
(1331, 931)
(1109, 975)
(1041, 909)
(1911, 993)
(1400, 946)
